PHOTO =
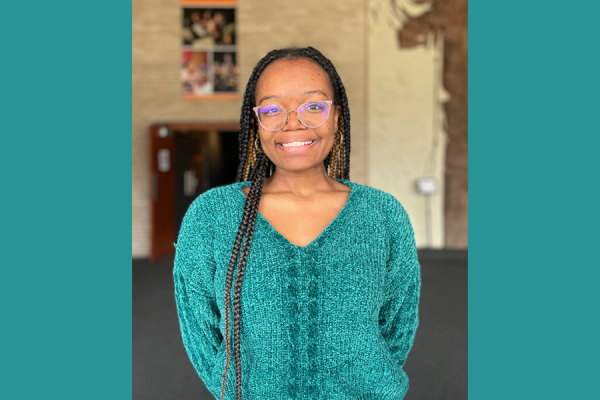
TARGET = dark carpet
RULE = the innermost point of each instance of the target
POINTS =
(436, 365)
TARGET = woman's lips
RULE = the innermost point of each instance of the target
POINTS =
(296, 149)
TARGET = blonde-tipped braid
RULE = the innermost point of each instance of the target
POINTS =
(342, 151)
(251, 156)
(334, 167)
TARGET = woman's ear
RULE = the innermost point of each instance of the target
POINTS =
(336, 117)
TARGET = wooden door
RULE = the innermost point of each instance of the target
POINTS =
(162, 196)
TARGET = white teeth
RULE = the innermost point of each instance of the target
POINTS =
(296, 144)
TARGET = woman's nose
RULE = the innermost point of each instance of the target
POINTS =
(293, 122)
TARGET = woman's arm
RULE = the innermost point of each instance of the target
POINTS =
(196, 305)
(399, 317)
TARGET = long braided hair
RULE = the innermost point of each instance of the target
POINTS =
(255, 166)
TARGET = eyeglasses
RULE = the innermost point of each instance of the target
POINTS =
(311, 115)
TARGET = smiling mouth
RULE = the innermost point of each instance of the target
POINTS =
(297, 147)
(296, 144)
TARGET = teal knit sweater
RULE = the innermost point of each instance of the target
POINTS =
(332, 320)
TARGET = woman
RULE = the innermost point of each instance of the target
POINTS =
(328, 308)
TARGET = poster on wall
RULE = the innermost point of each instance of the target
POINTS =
(208, 56)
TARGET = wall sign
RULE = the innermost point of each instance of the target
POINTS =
(208, 56)
(164, 160)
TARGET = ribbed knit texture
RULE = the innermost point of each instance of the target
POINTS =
(332, 320)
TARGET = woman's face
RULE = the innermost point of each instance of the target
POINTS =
(289, 84)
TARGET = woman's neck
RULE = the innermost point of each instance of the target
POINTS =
(301, 184)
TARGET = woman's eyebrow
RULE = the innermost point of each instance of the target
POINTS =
(278, 97)
(268, 97)
(316, 92)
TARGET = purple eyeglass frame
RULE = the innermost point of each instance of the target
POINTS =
(287, 114)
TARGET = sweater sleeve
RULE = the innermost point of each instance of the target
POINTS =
(399, 317)
(197, 309)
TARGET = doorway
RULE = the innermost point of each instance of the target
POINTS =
(186, 161)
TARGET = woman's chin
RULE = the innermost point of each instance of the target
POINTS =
(298, 165)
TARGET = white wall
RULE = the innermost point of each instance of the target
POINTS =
(405, 118)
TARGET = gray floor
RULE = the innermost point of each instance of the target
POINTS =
(436, 365)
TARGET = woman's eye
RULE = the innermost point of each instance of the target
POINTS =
(314, 106)
(271, 111)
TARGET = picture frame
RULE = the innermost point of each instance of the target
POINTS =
(209, 69)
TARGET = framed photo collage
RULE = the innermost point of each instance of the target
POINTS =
(208, 56)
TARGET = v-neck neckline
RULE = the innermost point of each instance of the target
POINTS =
(353, 188)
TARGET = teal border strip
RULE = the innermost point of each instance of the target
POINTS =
(533, 151)
(66, 205)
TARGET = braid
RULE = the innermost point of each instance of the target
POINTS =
(335, 155)
(251, 158)
(229, 278)
(343, 153)
(255, 200)
(246, 226)
(256, 166)
(244, 131)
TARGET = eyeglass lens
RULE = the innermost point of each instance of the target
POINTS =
(312, 115)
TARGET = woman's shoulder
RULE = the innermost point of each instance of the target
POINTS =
(379, 199)
(216, 199)
(217, 194)
(383, 207)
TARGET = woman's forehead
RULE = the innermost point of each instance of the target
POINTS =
(286, 78)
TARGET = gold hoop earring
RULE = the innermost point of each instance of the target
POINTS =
(256, 146)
